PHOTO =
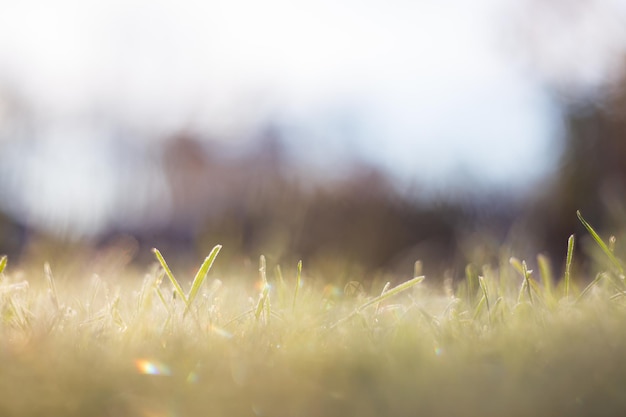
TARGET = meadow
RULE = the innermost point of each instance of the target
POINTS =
(505, 340)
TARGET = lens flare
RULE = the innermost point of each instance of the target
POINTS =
(221, 332)
(148, 367)
(332, 292)
(193, 377)
(260, 285)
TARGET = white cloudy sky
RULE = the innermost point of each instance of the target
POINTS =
(424, 88)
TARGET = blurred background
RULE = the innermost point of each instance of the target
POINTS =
(355, 135)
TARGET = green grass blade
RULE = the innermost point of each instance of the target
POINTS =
(298, 283)
(3, 263)
(262, 300)
(263, 297)
(162, 298)
(263, 269)
(268, 306)
(385, 289)
(390, 293)
(523, 270)
(517, 265)
(52, 289)
(280, 285)
(539, 295)
(497, 305)
(545, 271)
(601, 243)
(479, 308)
(483, 287)
(471, 276)
(202, 274)
(527, 279)
(590, 286)
(239, 317)
(278, 273)
(618, 295)
(168, 272)
(568, 263)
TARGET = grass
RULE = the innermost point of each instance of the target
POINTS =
(505, 341)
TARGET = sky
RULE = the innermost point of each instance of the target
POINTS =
(424, 89)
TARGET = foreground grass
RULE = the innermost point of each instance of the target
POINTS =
(506, 341)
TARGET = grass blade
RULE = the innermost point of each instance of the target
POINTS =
(262, 300)
(52, 288)
(263, 297)
(591, 285)
(390, 293)
(483, 287)
(545, 271)
(202, 274)
(517, 265)
(3, 263)
(298, 283)
(471, 276)
(385, 289)
(280, 285)
(168, 272)
(523, 270)
(568, 263)
(601, 243)
(479, 308)
(527, 280)
(162, 298)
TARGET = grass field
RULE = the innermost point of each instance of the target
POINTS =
(506, 341)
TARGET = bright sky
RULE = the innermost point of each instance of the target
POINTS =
(422, 88)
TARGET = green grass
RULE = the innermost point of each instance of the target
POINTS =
(506, 341)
